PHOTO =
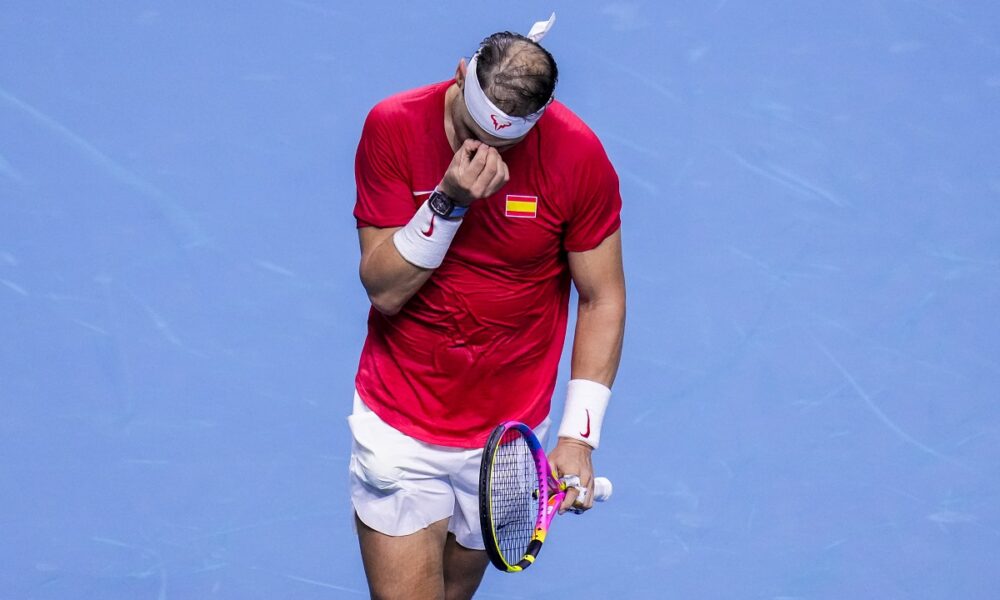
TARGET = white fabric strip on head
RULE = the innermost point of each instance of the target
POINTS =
(486, 114)
(539, 29)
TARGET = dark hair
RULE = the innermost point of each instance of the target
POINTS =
(516, 73)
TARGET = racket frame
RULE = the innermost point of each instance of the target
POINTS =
(551, 493)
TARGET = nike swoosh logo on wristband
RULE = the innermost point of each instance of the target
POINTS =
(430, 230)
(587, 433)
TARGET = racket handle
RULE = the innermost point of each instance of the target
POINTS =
(602, 488)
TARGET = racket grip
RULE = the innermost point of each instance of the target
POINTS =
(602, 488)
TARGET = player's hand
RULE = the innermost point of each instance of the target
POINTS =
(572, 457)
(476, 171)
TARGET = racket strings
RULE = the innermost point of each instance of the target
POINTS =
(514, 496)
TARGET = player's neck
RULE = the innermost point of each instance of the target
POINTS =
(450, 96)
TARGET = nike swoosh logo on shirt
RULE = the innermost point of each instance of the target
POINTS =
(586, 434)
(430, 230)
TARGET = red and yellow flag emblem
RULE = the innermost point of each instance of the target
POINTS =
(523, 207)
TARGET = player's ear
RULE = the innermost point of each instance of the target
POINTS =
(460, 71)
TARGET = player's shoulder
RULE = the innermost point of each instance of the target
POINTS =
(567, 135)
(569, 130)
(409, 104)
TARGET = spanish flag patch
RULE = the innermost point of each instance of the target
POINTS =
(522, 207)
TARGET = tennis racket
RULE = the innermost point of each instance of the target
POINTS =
(519, 495)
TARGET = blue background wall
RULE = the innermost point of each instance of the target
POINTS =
(807, 406)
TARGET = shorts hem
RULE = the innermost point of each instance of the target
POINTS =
(402, 531)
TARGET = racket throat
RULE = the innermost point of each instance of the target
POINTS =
(550, 511)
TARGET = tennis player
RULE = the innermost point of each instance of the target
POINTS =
(479, 199)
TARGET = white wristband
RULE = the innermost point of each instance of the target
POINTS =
(426, 238)
(586, 402)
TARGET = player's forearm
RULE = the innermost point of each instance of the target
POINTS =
(597, 348)
(597, 343)
(389, 279)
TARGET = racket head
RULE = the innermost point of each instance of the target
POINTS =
(513, 493)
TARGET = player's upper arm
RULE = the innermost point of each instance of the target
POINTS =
(598, 273)
(595, 200)
(592, 236)
(383, 197)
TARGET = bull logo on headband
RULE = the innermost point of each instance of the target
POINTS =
(497, 124)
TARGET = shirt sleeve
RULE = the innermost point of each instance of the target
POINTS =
(383, 192)
(597, 204)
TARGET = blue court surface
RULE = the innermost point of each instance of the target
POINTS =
(808, 401)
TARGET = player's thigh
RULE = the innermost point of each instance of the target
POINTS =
(463, 569)
(407, 566)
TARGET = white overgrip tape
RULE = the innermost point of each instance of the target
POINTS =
(583, 414)
(425, 240)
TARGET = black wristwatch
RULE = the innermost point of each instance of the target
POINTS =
(444, 207)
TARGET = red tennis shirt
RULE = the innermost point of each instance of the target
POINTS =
(480, 342)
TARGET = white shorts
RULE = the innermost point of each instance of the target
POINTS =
(400, 485)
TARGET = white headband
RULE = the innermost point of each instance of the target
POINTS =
(486, 114)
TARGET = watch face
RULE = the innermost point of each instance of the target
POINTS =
(440, 204)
